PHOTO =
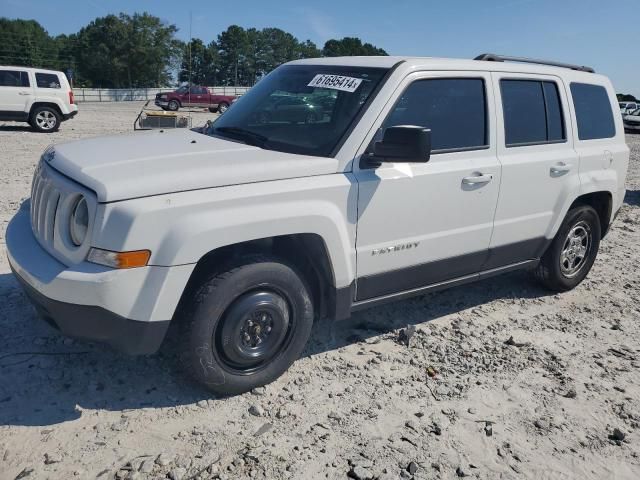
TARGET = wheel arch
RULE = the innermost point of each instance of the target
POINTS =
(307, 253)
(53, 105)
(602, 203)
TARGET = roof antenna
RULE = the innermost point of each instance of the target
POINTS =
(189, 86)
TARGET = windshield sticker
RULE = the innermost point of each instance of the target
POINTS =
(335, 82)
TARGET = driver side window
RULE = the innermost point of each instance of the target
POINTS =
(453, 108)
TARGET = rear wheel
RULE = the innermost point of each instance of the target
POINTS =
(45, 119)
(572, 252)
(223, 107)
(246, 326)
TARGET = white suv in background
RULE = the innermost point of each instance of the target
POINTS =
(244, 233)
(627, 107)
(43, 98)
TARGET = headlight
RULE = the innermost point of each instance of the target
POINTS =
(79, 222)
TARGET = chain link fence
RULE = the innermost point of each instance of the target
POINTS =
(138, 94)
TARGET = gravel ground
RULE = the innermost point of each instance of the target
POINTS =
(499, 380)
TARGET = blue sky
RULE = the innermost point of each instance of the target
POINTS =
(598, 33)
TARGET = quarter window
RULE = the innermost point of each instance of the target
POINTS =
(593, 111)
(532, 112)
(13, 78)
(47, 80)
(453, 108)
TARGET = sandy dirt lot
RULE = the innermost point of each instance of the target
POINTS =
(560, 400)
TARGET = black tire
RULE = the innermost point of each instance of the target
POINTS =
(218, 338)
(173, 105)
(223, 107)
(559, 272)
(45, 119)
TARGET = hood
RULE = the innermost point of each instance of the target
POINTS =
(152, 163)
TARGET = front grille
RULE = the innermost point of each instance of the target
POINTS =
(45, 198)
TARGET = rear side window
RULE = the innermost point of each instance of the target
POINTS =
(453, 108)
(47, 80)
(532, 112)
(593, 111)
(14, 78)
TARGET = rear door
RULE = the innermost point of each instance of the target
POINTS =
(16, 93)
(539, 164)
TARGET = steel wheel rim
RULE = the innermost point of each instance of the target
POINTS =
(46, 120)
(575, 249)
(253, 331)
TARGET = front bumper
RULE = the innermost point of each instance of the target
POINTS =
(128, 309)
(162, 103)
(95, 323)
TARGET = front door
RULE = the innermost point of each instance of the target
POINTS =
(16, 93)
(421, 224)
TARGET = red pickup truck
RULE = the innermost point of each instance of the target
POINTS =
(193, 96)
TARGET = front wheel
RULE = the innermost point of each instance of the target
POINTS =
(244, 327)
(173, 105)
(572, 252)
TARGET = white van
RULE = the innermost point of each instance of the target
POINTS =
(43, 98)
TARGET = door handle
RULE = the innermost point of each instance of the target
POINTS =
(476, 179)
(24, 93)
(560, 168)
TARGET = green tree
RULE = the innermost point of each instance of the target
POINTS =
(200, 63)
(350, 46)
(308, 49)
(126, 51)
(233, 48)
(625, 97)
(25, 42)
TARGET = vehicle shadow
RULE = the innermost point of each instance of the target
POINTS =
(632, 198)
(46, 379)
(16, 128)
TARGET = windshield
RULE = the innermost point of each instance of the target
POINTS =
(303, 109)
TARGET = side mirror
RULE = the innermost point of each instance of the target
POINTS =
(404, 143)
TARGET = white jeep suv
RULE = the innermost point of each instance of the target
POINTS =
(43, 98)
(245, 232)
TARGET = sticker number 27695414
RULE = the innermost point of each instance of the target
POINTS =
(335, 82)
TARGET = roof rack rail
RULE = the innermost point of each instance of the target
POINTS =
(492, 57)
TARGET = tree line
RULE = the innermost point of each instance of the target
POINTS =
(139, 50)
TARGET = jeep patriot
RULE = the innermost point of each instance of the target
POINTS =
(412, 175)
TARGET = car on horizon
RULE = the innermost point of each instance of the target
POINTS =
(43, 98)
(632, 121)
(628, 107)
(194, 96)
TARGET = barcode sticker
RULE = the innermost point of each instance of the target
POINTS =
(335, 82)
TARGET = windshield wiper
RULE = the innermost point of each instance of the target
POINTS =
(252, 138)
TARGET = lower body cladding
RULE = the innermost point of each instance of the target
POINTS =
(127, 309)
